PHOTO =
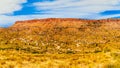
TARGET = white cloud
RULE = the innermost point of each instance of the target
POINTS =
(9, 6)
(78, 8)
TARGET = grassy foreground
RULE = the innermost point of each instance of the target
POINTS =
(17, 59)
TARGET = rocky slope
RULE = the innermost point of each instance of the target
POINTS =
(61, 42)
(62, 35)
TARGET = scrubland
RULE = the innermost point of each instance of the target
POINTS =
(61, 43)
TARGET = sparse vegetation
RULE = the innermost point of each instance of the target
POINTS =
(61, 43)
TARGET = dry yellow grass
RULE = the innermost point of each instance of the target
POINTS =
(18, 59)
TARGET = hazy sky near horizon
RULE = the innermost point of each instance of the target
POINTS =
(14, 10)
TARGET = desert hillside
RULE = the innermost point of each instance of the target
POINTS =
(61, 42)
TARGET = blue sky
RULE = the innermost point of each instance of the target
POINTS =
(14, 10)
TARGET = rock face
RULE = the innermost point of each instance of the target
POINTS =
(49, 21)
(66, 22)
